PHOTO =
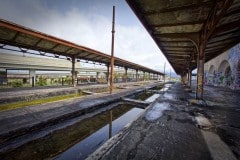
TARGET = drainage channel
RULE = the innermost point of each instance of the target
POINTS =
(84, 136)
(80, 139)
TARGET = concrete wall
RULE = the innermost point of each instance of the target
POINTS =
(224, 70)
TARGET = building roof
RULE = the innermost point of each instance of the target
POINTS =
(178, 27)
(20, 36)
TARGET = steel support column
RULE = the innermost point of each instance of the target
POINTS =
(73, 72)
(200, 73)
(136, 75)
(126, 75)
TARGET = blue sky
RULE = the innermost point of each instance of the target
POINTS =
(88, 23)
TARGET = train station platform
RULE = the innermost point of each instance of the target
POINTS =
(39, 120)
(175, 128)
(9, 95)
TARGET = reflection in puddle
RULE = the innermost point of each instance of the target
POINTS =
(77, 140)
(82, 149)
(156, 111)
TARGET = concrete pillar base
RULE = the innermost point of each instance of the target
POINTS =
(200, 103)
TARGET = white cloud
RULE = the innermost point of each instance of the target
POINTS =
(132, 42)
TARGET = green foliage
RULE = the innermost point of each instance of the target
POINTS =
(42, 81)
(38, 101)
(16, 83)
(68, 80)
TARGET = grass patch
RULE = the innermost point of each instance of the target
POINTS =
(38, 101)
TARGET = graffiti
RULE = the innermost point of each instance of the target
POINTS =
(228, 75)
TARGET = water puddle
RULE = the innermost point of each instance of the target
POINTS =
(78, 140)
(82, 149)
(169, 96)
(156, 111)
(142, 95)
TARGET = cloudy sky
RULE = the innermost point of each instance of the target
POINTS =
(88, 23)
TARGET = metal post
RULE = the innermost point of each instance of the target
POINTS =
(136, 75)
(112, 52)
(33, 81)
(73, 72)
(200, 73)
(126, 75)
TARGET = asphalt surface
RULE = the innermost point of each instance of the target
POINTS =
(168, 130)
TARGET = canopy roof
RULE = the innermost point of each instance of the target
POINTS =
(19, 36)
(178, 27)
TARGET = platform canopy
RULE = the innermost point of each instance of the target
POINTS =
(179, 27)
(18, 36)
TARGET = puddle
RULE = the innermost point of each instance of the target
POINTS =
(156, 111)
(78, 140)
(84, 148)
(169, 96)
(142, 95)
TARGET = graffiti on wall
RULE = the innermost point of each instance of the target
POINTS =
(234, 59)
(229, 75)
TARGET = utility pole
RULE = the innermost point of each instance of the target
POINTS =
(112, 51)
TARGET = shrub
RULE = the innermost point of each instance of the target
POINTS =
(42, 81)
(16, 83)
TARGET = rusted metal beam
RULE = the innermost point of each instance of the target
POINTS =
(112, 52)
(224, 39)
(38, 42)
(54, 46)
(227, 27)
(216, 14)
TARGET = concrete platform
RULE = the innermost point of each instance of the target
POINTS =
(168, 130)
(21, 121)
(9, 95)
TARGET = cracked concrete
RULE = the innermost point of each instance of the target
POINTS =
(175, 135)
